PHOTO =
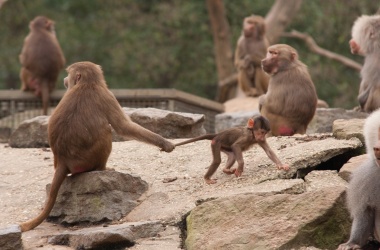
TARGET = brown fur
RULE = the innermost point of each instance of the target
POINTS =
(291, 100)
(79, 129)
(41, 59)
(366, 41)
(251, 48)
(233, 142)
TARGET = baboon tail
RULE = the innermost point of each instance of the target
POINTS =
(59, 177)
(199, 138)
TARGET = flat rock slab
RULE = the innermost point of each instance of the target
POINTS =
(10, 238)
(123, 235)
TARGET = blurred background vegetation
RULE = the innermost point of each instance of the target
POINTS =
(168, 43)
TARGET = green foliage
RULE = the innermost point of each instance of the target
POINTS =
(168, 43)
(329, 23)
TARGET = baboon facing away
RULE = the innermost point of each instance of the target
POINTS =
(79, 129)
(41, 60)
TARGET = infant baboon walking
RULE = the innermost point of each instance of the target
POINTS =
(233, 142)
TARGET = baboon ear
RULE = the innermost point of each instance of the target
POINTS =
(293, 56)
(250, 123)
(77, 77)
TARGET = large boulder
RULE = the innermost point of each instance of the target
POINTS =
(31, 133)
(317, 217)
(167, 123)
(234, 119)
(350, 166)
(281, 221)
(96, 196)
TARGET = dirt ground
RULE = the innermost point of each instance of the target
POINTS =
(175, 181)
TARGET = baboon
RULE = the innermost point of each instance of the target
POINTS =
(41, 60)
(363, 198)
(233, 142)
(366, 41)
(291, 100)
(79, 129)
(250, 50)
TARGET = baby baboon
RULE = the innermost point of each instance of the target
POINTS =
(233, 142)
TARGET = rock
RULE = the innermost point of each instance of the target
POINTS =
(167, 123)
(241, 104)
(110, 237)
(5, 133)
(169, 202)
(281, 221)
(324, 118)
(268, 187)
(346, 129)
(302, 153)
(347, 169)
(321, 123)
(229, 120)
(322, 104)
(96, 196)
(31, 133)
(305, 152)
(323, 179)
(10, 238)
(247, 103)
(170, 239)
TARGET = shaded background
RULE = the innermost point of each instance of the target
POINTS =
(169, 44)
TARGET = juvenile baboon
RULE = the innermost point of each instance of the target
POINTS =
(291, 100)
(366, 41)
(79, 129)
(233, 142)
(363, 199)
(41, 59)
(250, 50)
